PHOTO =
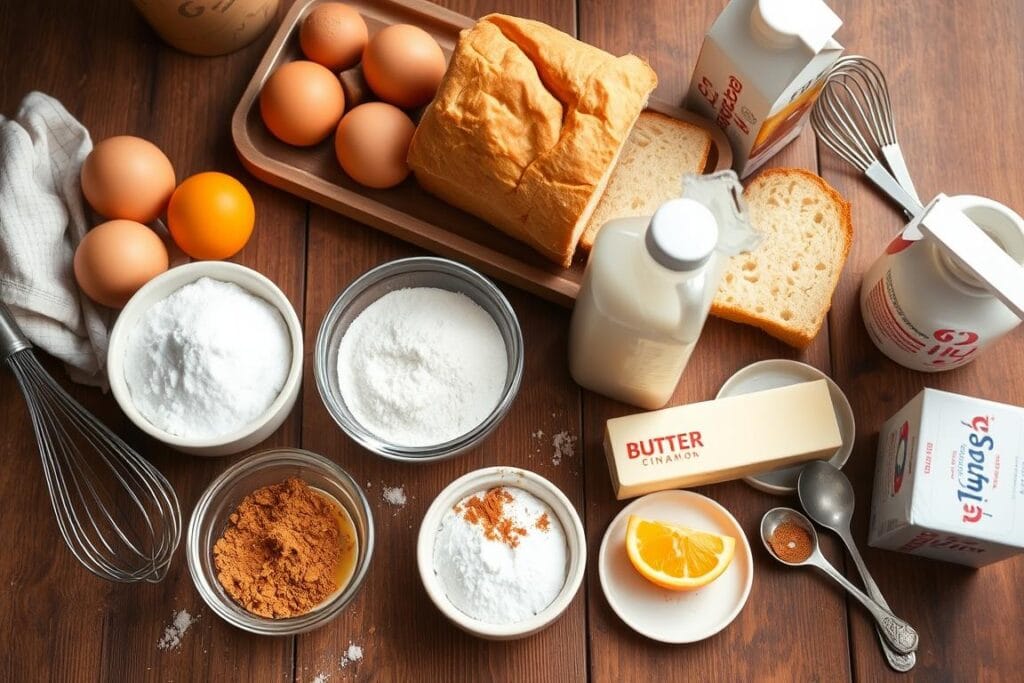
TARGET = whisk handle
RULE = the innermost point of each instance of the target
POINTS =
(884, 181)
(12, 339)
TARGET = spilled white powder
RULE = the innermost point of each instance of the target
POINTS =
(207, 360)
(173, 632)
(395, 495)
(321, 678)
(422, 366)
(564, 445)
(491, 581)
(353, 654)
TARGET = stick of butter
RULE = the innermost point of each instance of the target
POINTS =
(728, 438)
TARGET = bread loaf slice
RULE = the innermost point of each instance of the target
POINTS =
(658, 152)
(785, 286)
(526, 127)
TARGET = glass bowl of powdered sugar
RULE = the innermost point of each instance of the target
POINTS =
(419, 359)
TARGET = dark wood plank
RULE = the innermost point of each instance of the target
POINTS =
(953, 121)
(402, 634)
(58, 622)
(787, 611)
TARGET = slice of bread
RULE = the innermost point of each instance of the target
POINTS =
(658, 151)
(785, 285)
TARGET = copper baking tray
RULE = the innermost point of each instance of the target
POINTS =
(407, 211)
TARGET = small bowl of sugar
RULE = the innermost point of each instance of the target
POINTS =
(419, 359)
(207, 358)
(501, 553)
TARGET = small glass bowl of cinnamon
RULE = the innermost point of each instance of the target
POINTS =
(269, 485)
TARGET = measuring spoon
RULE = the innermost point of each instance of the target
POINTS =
(900, 635)
(827, 497)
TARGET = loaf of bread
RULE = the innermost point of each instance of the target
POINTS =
(526, 128)
(785, 286)
(658, 153)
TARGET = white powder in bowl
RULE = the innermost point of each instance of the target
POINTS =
(502, 560)
(422, 366)
(207, 360)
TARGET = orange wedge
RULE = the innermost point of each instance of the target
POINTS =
(675, 557)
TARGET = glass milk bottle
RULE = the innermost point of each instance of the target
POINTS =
(644, 298)
(923, 308)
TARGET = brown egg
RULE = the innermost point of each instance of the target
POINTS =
(116, 258)
(127, 177)
(372, 143)
(334, 35)
(404, 65)
(301, 103)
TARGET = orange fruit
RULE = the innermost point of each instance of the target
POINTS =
(211, 216)
(675, 557)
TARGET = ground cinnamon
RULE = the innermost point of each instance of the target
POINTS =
(487, 510)
(791, 542)
(280, 554)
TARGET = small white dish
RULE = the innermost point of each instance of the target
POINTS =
(661, 614)
(160, 288)
(780, 372)
(481, 480)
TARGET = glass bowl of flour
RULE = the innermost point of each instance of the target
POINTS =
(419, 359)
(207, 358)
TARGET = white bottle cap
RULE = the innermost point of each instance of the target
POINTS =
(682, 235)
(781, 24)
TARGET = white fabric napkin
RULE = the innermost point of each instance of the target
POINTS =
(42, 219)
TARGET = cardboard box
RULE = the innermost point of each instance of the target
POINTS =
(760, 69)
(948, 480)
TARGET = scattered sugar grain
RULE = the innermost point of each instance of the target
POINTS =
(321, 678)
(564, 444)
(353, 654)
(173, 632)
(395, 495)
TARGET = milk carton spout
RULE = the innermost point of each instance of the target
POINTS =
(781, 24)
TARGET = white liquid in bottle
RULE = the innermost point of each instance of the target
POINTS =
(644, 299)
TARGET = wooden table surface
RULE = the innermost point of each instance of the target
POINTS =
(954, 70)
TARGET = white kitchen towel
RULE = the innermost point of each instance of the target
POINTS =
(42, 220)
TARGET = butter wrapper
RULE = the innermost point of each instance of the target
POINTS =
(719, 440)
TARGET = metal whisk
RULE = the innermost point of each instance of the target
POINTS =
(118, 514)
(853, 117)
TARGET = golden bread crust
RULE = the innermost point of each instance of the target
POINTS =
(525, 125)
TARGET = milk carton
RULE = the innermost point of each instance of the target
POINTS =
(760, 69)
(948, 480)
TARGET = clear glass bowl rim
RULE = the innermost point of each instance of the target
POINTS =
(226, 608)
(343, 417)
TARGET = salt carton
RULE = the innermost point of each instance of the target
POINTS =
(761, 67)
(948, 480)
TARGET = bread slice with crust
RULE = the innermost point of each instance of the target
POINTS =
(526, 128)
(785, 285)
(649, 172)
